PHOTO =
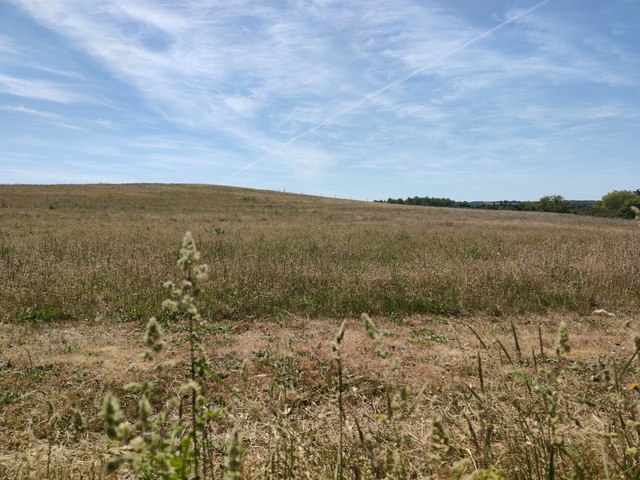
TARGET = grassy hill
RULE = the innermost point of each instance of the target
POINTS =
(487, 360)
(80, 251)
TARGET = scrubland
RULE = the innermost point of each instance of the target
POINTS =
(465, 374)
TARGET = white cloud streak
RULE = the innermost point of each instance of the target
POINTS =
(40, 90)
(377, 93)
(30, 111)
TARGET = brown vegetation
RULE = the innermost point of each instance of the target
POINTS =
(77, 252)
(468, 302)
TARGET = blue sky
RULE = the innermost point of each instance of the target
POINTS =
(466, 99)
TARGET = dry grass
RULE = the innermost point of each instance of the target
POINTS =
(78, 252)
(290, 392)
(80, 269)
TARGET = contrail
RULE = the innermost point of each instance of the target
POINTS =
(373, 95)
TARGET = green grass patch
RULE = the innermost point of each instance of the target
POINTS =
(8, 398)
(36, 373)
(426, 336)
(39, 314)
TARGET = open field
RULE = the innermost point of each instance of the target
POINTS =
(79, 252)
(463, 299)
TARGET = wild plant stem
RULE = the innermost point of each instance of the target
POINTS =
(502, 347)
(192, 351)
(484, 345)
(341, 423)
(628, 364)
(480, 374)
(515, 340)
(194, 429)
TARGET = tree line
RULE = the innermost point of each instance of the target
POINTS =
(616, 203)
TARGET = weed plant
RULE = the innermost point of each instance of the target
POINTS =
(173, 445)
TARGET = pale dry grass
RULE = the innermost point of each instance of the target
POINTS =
(83, 251)
(290, 370)
(80, 270)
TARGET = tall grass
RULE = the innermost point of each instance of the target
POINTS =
(277, 254)
(529, 416)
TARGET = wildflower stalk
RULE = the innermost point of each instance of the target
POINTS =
(504, 350)
(484, 345)
(480, 373)
(189, 290)
(51, 431)
(150, 452)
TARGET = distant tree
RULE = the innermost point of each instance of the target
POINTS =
(620, 201)
(554, 203)
(428, 202)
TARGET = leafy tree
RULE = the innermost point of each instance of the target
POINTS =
(554, 203)
(619, 201)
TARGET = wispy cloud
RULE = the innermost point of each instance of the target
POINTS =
(316, 86)
(8, 45)
(30, 111)
(40, 90)
(49, 117)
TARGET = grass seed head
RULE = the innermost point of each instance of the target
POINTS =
(370, 327)
(335, 346)
(170, 305)
(562, 345)
(201, 272)
(439, 441)
(245, 370)
(189, 387)
(113, 464)
(112, 415)
(374, 334)
(166, 365)
(189, 254)
(79, 422)
(153, 334)
(233, 458)
(144, 410)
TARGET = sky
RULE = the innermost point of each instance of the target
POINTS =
(363, 99)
